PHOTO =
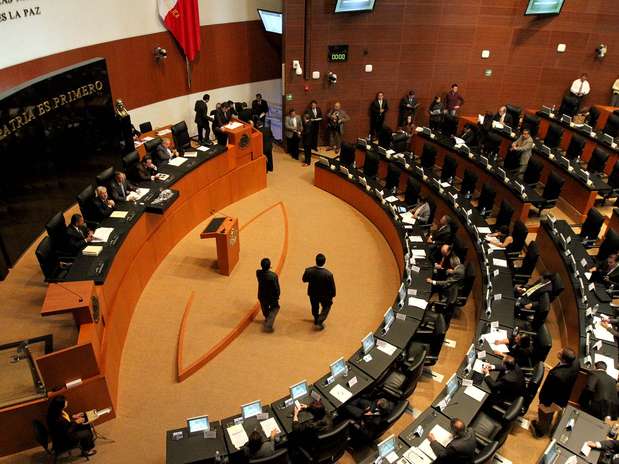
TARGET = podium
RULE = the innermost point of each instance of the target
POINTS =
(226, 234)
(244, 140)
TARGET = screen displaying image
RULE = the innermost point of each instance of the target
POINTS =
(452, 385)
(346, 6)
(338, 367)
(389, 317)
(471, 355)
(198, 424)
(541, 7)
(251, 409)
(272, 21)
(299, 390)
(368, 343)
(386, 446)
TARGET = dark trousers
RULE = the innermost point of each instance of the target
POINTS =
(81, 434)
(317, 302)
(204, 131)
(307, 150)
(222, 137)
(270, 308)
(269, 156)
(293, 146)
(544, 422)
(376, 124)
(315, 132)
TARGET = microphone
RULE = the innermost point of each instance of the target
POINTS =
(71, 291)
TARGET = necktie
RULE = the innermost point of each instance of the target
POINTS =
(122, 188)
(580, 88)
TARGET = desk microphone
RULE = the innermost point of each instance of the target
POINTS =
(71, 291)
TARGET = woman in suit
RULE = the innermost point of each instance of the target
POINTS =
(436, 111)
(256, 448)
(318, 423)
(293, 128)
(67, 431)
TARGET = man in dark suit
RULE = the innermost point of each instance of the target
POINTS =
(599, 398)
(408, 107)
(606, 271)
(368, 416)
(315, 116)
(555, 391)
(120, 187)
(461, 450)
(78, 234)
(442, 233)
(321, 290)
(102, 205)
(165, 152)
(259, 109)
(143, 171)
(503, 117)
(510, 383)
(203, 118)
(268, 293)
(222, 117)
(378, 111)
(449, 288)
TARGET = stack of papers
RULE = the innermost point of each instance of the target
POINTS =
(416, 456)
(102, 234)
(233, 125)
(499, 262)
(418, 253)
(269, 425)
(140, 191)
(600, 332)
(202, 148)
(190, 154)
(484, 230)
(385, 347)
(407, 218)
(391, 199)
(416, 239)
(417, 302)
(119, 214)
(441, 435)
(237, 435)
(427, 450)
(164, 132)
(475, 393)
(340, 394)
(479, 365)
(92, 250)
(177, 161)
(493, 336)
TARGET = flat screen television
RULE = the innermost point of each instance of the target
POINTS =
(272, 21)
(544, 7)
(350, 6)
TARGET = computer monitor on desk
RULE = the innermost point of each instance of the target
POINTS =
(388, 319)
(452, 385)
(299, 390)
(551, 454)
(471, 356)
(251, 409)
(387, 446)
(338, 368)
(368, 343)
(198, 424)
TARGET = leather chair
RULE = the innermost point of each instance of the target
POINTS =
(575, 148)
(492, 144)
(151, 145)
(531, 122)
(400, 142)
(557, 286)
(146, 127)
(592, 117)
(569, 105)
(347, 154)
(130, 160)
(504, 216)
(522, 273)
(431, 334)
(553, 136)
(609, 245)
(590, 229)
(597, 162)
(469, 183)
(542, 343)
(532, 173)
(370, 165)
(512, 161)
(428, 156)
(495, 423)
(280, 457)
(519, 237)
(533, 382)
(449, 169)
(182, 141)
(105, 177)
(329, 447)
(85, 201)
(56, 229)
(413, 189)
(486, 200)
(53, 268)
(402, 381)
(392, 181)
(484, 454)
(612, 125)
(514, 112)
(613, 183)
(551, 193)
(41, 436)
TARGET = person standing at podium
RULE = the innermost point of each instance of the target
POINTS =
(268, 293)
(321, 290)
(202, 118)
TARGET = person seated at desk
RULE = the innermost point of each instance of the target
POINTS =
(103, 206)
(443, 233)
(255, 448)
(165, 152)
(503, 117)
(461, 450)
(78, 233)
(144, 171)
(421, 212)
(599, 398)
(446, 260)
(510, 383)
(609, 448)
(68, 432)
(448, 289)
(606, 271)
(520, 349)
(368, 417)
(500, 238)
(536, 294)
(318, 423)
(120, 187)
(523, 144)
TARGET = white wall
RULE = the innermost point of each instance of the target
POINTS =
(181, 108)
(54, 26)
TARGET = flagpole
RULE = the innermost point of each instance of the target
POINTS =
(188, 71)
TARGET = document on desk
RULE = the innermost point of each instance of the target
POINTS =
(392, 457)
(190, 154)
(340, 393)
(499, 348)
(600, 332)
(416, 239)
(418, 252)
(102, 234)
(237, 435)
(499, 262)
(269, 425)
(484, 230)
(416, 456)
(417, 302)
(427, 449)
(119, 214)
(492, 337)
(479, 365)
(392, 199)
(202, 148)
(142, 191)
(385, 347)
(233, 125)
(147, 139)
(407, 218)
(475, 393)
(177, 161)
(164, 132)
(441, 435)
(92, 250)
(610, 365)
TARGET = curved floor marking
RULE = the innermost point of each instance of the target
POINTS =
(182, 372)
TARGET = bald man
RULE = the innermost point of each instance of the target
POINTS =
(461, 450)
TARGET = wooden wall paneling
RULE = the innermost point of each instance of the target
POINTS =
(62, 366)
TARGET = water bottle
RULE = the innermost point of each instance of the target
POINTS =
(217, 457)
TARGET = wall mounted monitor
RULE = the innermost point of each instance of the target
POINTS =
(272, 21)
(350, 6)
(544, 7)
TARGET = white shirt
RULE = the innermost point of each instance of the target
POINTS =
(616, 86)
(294, 122)
(580, 87)
(315, 110)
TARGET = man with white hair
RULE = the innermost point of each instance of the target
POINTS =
(103, 206)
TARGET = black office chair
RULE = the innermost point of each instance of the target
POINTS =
(146, 127)
(401, 382)
(280, 457)
(392, 181)
(105, 177)
(557, 286)
(504, 216)
(553, 136)
(469, 183)
(370, 165)
(448, 172)
(431, 334)
(612, 126)
(542, 343)
(613, 183)
(56, 229)
(522, 273)
(182, 141)
(85, 201)
(485, 202)
(511, 162)
(484, 454)
(514, 112)
(347, 154)
(532, 173)
(130, 160)
(400, 142)
(428, 156)
(329, 447)
(575, 148)
(495, 423)
(592, 117)
(533, 381)
(413, 189)
(432, 214)
(151, 145)
(569, 105)
(551, 193)
(531, 122)
(54, 268)
(609, 245)
(459, 248)
(597, 163)
(492, 144)
(591, 228)
(450, 125)
(519, 237)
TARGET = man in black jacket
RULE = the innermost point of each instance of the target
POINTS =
(268, 293)
(78, 234)
(461, 450)
(259, 109)
(202, 118)
(321, 290)
(378, 111)
(120, 187)
(222, 117)
(164, 152)
(599, 397)
(408, 107)
(610, 450)
(102, 205)
(555, 391)
(315, 117)
(510, 383)
(368, 418)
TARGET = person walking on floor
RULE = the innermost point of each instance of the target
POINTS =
(321, 290)
(268, 293)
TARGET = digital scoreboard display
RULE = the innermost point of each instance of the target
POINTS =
(338, 53)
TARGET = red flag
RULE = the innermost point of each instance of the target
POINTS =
(182, 19)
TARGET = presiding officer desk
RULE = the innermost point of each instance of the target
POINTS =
(109, 285)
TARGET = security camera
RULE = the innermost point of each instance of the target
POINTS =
(332, 77)
(160, 53)
(296, 65)
(601, 51)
